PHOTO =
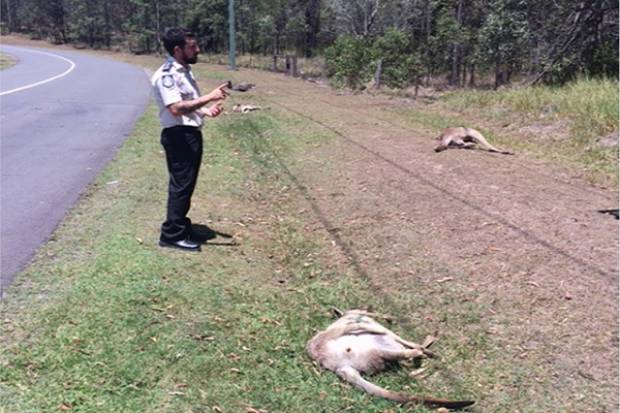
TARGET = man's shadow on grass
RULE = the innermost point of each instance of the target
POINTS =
(205, 235)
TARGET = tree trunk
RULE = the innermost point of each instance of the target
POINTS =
(9, 11)
(472, 73)
(158, 25)
(498, 73)
(427, 34)
(456, 58)
(313, 24)
(107, 35)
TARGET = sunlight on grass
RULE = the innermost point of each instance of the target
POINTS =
(6, 61)
(105, 321)
(589, 104)
(567, 123)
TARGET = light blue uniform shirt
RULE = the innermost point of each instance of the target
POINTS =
(173, 83)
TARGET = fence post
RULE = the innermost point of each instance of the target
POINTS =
(291, 65)
(377, 79)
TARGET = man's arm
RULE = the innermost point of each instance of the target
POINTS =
(187, 106)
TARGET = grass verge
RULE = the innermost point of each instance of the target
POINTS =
(6, 61)
(106, 321)
(575, 125)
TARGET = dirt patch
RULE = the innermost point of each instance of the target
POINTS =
(545, 132)
(518, 240)
(608, 141)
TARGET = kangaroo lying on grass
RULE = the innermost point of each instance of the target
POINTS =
(465, 138)
(355, 344)
(244, 108)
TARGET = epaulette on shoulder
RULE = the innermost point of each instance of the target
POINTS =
(167, 66)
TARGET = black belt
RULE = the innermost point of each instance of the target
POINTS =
(182, 127)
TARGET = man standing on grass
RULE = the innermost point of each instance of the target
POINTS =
(181, 114)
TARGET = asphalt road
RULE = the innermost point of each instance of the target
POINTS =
(63, 115)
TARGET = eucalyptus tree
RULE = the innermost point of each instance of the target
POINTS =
(504, 37)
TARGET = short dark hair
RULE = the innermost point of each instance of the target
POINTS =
(175, 36)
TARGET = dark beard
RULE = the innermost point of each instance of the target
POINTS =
(192, 60)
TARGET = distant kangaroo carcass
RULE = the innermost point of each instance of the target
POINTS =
(356, 344)
(244, 108)
(465, 138)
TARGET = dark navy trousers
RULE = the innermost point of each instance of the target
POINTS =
(183, 147)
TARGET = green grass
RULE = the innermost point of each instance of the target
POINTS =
(106, 321)
(589, 105)
(6, 61)
(564, 124)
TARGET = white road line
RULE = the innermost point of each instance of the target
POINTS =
(66, 72)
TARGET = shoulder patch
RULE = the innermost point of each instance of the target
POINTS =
(167, 81)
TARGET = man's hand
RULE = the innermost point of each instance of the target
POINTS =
(186, 106)
(214, 111)
(218, 93)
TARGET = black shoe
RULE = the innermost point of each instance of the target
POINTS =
(184, 244)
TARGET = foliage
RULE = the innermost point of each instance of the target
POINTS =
(504, 36)
(400, 65)
(551, 41)
(209, 22)
(352, 61)
(348, 61)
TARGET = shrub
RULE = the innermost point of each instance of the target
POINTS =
(348, 61)
(400, 65)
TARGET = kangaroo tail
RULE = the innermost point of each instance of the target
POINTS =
(354, 377)
(495, 150)
(449, 404)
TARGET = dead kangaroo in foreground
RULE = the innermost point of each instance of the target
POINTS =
(355, 344)
(465, 138)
